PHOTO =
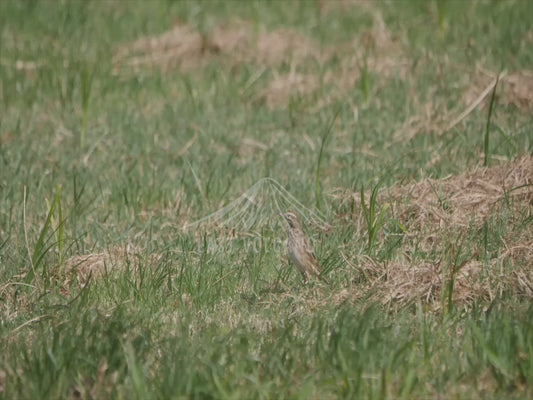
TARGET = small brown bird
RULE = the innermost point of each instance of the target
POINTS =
(300, 250)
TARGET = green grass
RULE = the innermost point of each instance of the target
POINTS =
(98, 158)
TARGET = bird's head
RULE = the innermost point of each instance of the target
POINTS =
(292, 219)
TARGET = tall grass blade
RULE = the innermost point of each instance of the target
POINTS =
(59, 225)
(442, 6)
(135, 371)
(374, 220)
(86, 84)
(318, 183)
(486, 144)
(40, 249)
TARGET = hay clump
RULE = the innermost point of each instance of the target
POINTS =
(456, 201)
(433, 205)
(434, 211)
(236, 42)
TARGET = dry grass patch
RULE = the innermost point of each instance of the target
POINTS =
(240, 42)
(181, 46)
(82, 268)
(97, 265)
(436, 211)
(403, 283)
(455, 202)
(244, 42)
(274, 48)
(282, 88)
(78, 269)
(374, 51)
(517, 88)
(236, 42)
(514, 89)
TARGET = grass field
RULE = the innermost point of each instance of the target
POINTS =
(147, 148)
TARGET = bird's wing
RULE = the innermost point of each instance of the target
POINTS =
(312, 256)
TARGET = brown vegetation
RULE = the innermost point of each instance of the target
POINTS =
(437, 215)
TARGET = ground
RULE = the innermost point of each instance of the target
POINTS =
(147, 149)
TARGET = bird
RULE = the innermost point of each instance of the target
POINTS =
(300, 251)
